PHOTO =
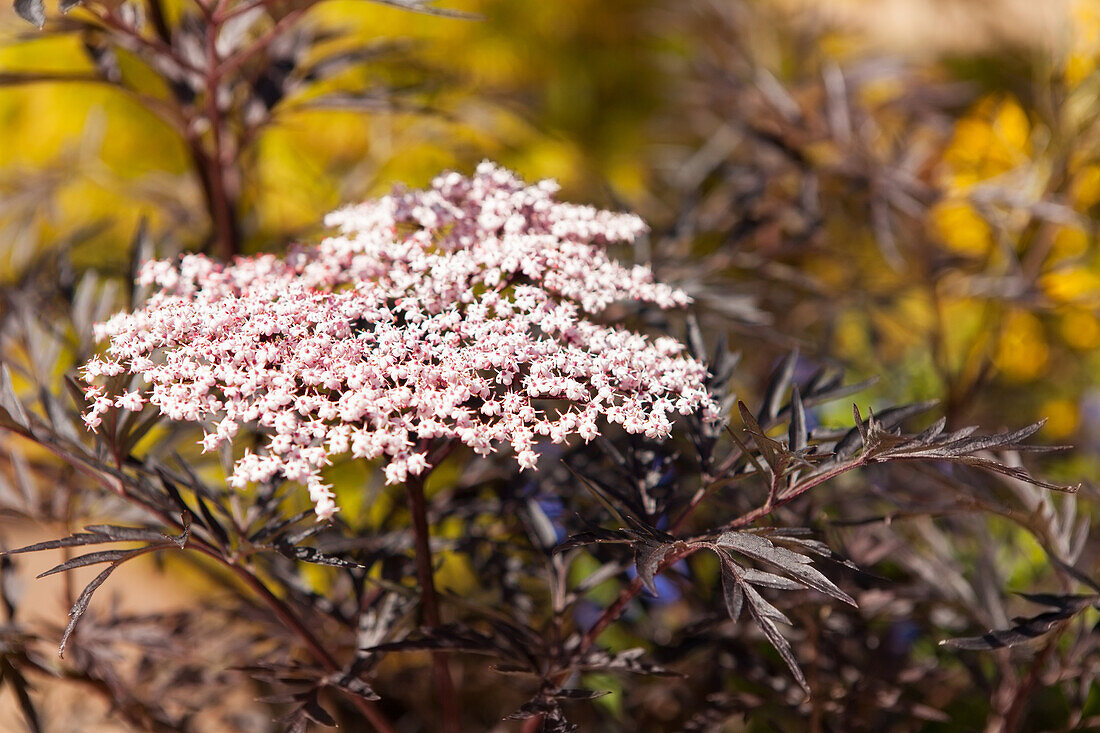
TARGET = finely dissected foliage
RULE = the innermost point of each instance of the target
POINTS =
(446, 315)
(392, 349)
(620, 541)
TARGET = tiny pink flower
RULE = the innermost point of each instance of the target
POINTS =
(527, 459)
(131, 401)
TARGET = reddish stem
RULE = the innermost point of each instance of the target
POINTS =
(414, 488)
(220, 199)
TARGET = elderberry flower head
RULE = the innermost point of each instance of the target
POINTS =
(458, 313)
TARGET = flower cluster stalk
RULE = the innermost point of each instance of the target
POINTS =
(429, 600)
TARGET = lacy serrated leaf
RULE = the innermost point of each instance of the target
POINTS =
(1005, 441)
(778, 385)
(760, 548)
(797, 566)
(9, 401)
(876, 426)
(789, 536)
(594, 536)
(762, 608)
(133, 435)
(316, 557)
(1020, 474)
(797, 437)
(769, 580)
(88, 538)
(313, 710)
(356, 686)
(116, 533)
(10, 674)
(92, 558)
(273, 529)
(765, 616)
(932, 432)
(647, 558)
(376, 622)
(628, 660)
(1031, 628)
(771, 450)
(578, 694)
(731, 588)
(81, 605)
(32, 11)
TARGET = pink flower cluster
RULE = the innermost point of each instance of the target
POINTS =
(457, 313)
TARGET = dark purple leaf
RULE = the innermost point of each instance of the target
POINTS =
(273, 529)
(769, 580)
(766, 615)
(32, 11)
(647, 558)
(797, 566)
(81, 605)
(628, 660)
(356, 686)
(771, 450)
(76, 540)
(777, 388)
(1031, 628)
(115, 533)
(315, 556)
(92, 558)
(10, 587)
(578, 694)
(317, 714)
(594, 536)
(10, 674)
(12, 413)
(796, 433)
(731, 588)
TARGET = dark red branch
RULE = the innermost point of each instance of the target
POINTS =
(414, 488)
